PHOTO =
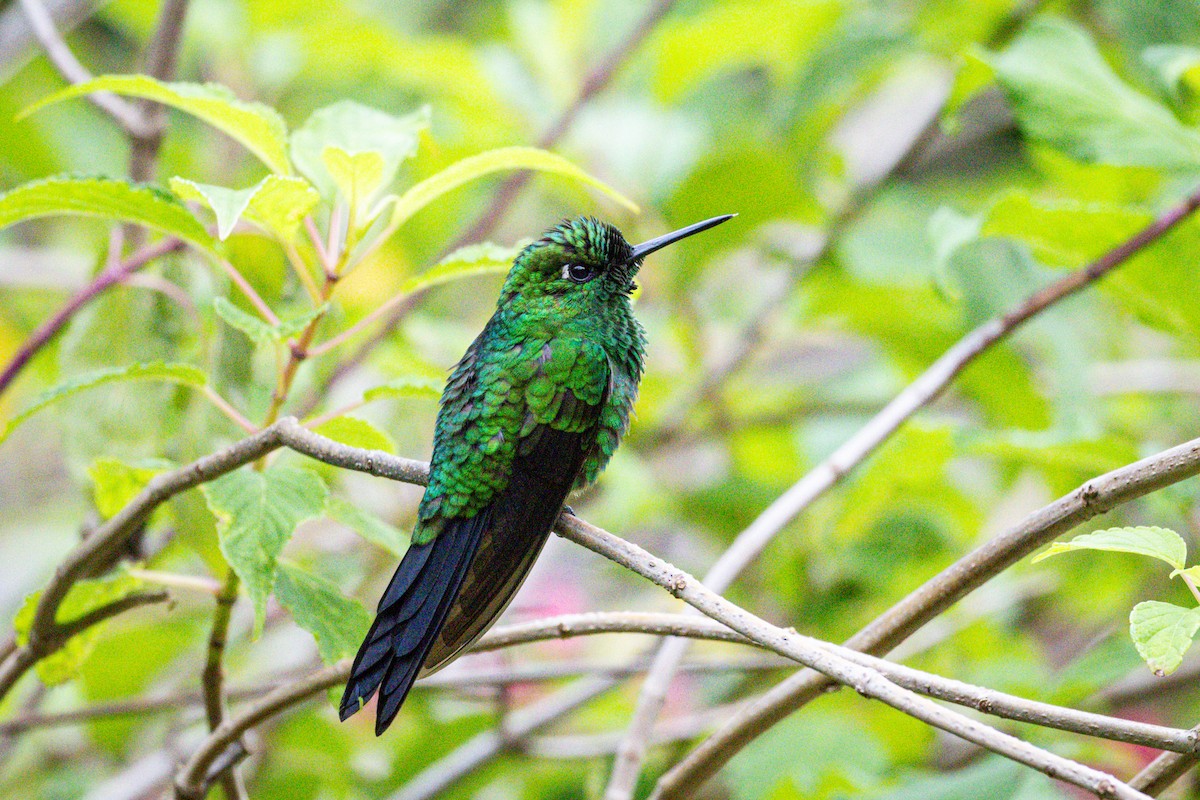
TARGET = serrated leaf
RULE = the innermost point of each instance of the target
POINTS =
(256, 514)
(368, 526)
(227, 204)
(107, 199)
(181, 374)
(1161, 543)
(1162, 633)
(281, 203)
(474, 259)
(115, 483)
(337, 622)
(257, 330)
(276, 204)
(358, 177)
(356, 432)
(355, 129)
(505, 158)
(256, 127)
(85, 596)
(406, 386)
(260, 331)
(1065, 94)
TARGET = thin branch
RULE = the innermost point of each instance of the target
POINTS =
(226, 408)
(212, 681)
(66, 630)
(864, 680)
(161, 55)
(1163, 771)
(106, 278)
(125, 113)
(1094, 497)
(474, 753)
(918, 394)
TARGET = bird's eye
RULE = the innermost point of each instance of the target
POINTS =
(579, 273)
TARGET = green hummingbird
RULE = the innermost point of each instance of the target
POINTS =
(536, 407)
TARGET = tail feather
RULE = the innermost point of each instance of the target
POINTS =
(410, 614)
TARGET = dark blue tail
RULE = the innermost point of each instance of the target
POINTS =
(411, 612)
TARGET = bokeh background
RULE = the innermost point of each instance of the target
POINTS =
(900, 173)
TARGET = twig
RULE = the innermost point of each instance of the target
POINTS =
(107, 277)
(926, 602)
(808, 651)
(161, 55)
(1162, 772)
(468, 757)
(212, 680)
(125, 113)
(918, 394)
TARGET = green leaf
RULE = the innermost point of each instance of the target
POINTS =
(367, 525)
(227, 204)
(474, 259)
(1177, 66)
(973, 76)
(281, 203)
(115, 483)
(107, 199)
(1161, 543)
(1162, 633)
(182, 374)
(257, 127)
(356, 432)
(84, 597)
(505, 158)
(1191, 572)
(352, 129)
(260, 331)
(1065, 94)
(256, 514)
(276, 204)
(358, 177)
(406, 386)
(337, 622)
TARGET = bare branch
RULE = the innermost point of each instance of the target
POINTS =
(60, 55)
(926, 602)
(107, 277)
(441, 775)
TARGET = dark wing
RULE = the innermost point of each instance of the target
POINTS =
(545, 467)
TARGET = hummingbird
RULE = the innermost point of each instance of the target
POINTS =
(534, 409)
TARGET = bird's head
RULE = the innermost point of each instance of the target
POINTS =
(584, 259)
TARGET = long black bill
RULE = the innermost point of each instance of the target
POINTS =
(646, 248)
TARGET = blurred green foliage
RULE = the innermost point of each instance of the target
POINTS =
(1058, 130)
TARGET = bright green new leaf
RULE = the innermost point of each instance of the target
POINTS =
(1162, 633)
(1063, 232)
(337, 622)
(182, 374)
(1065, 94)
(256, 514)
(474, 259)
(84, 597)
(107, 199)
(367, 525)
(259, 331)
(281, 203)
(386, 141)
(276, 204)
(227, 204)
(358, 177)
(505, 158)
(406, 386)
(356, 432)
(1160, 543)
(255, 126)
(115, 483)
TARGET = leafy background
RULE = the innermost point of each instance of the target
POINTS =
(1061, 129)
